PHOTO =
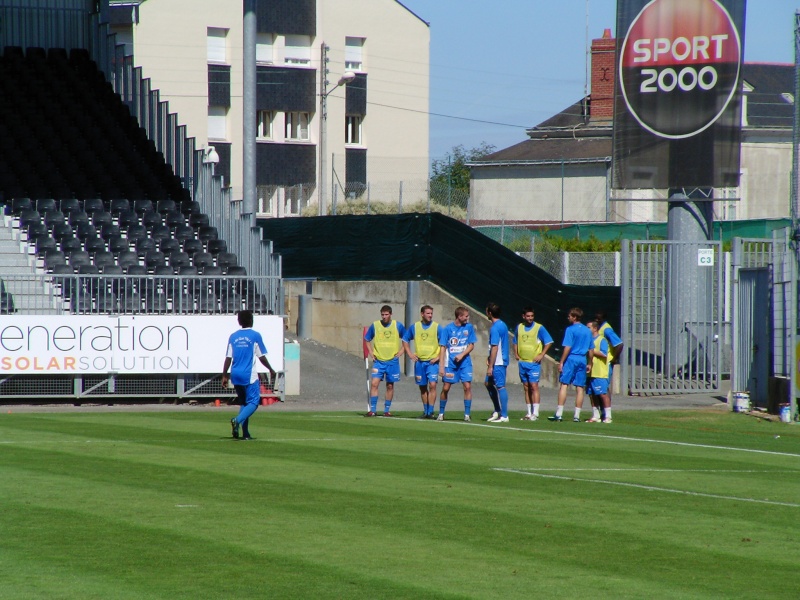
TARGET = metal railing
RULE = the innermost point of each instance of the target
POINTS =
(139, 294)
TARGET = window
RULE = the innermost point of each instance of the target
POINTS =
(352, 130)
(354, 54)
(264, 122)
(265, 195)
(296, 126)
(264, 44)
(217, 123)
(217, 45)
(298, 50)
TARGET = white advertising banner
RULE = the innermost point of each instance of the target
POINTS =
(125, 344)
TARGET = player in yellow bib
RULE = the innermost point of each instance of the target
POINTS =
(598, 370)
(530, 342)
(425, 335)
(384, 338)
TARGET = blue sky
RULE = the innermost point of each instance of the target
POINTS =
(517, 62)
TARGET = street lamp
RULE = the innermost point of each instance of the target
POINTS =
(346, 78)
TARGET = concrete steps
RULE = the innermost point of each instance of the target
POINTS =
(22, 278)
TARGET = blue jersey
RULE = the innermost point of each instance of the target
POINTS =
(579, 339)
(244, 347)
(498, 336)
(455, 340)
(611, 336)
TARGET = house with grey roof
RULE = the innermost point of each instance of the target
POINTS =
(562, 172)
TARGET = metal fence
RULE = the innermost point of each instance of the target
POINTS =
(43, 294)
(583, 268)
(672, 313)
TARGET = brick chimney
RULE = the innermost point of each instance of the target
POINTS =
(601, 100)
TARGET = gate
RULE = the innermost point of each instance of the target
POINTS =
(671, 316)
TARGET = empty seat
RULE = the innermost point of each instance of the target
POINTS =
(202, 259)
(207, 303)
(118, 244)
(183, 233)
(119, 205)
(44, 205)
(231, 303)
(211, 270)
(144, 245)
(81, 303)
(192, 245)
(26, 217)
(131, 303)
(100, 218)
(169, 245)
(54, 217)
(91, 205)
(85, 230)
(174, 219)
(62, 231)
(69, 205)
(18, 205)
(34, 230)
(166, 206)
(78, 258)
(143, 206)
(104, 258)
(127, 218)
(94, 244)
(69, 244)
(226, 259)
(207, 234)
(127, 258)
(236, 271)
(78, 216)
(156, 303)
(190, 207)
(183, 303)
(111, 269)
(198, 220)
(179, 259)
(53, 258)
(43, 244)
(106, 302)
(154, 258)
(160, 232)
(136, 233)
(217, 246)
(152, 219)
(110, 230)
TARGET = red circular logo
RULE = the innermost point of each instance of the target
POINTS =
(679, 66)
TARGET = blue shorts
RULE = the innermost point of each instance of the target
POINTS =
(425, 372)
(598, 386)
(498, 377)
(389, 369)
(462, 373)
(248, 394)
(529, 372)
(574, 371)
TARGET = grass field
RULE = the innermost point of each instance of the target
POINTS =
(146, 505)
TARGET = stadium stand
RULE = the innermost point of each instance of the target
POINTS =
(99, 207)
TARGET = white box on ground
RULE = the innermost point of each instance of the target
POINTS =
(291, 368)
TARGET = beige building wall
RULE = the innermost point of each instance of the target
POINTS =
(170, 44)
(766, 180)
(518, 193)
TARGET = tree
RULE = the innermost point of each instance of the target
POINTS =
(452, 172)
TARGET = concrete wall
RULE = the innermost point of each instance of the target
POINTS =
(340, 311)
(539, 193)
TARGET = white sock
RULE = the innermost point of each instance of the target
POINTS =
(535, 409)
(608, 413)
(595, 412)
(529, 407)
(577, 413)
(559, 411)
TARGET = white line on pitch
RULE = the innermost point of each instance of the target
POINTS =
(649, 488)
(601, 469)
(626, 439)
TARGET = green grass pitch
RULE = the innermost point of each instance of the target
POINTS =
(150, 505)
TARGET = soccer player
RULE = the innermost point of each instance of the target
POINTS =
(457, 340)
(497, 364)
(577, 341)
(244, 348)
(385, 347)
(425, 335)
(530, 341)
(615, 347)
(598, 368)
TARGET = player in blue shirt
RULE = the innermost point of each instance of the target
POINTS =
(457, 340)
(244, 348)
(385, 343)
(577, 341)
(497, 364)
